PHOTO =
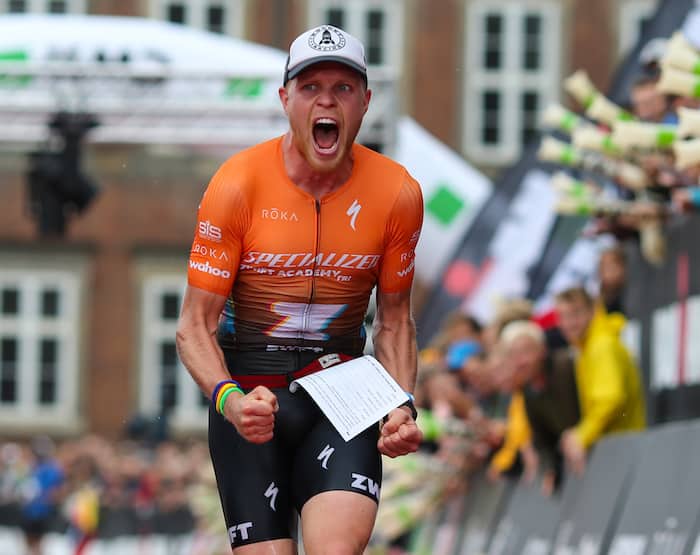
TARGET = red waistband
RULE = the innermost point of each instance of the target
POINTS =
(250, 381)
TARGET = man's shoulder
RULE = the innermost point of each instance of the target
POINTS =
(257, 157)
(379, 166)
(239, 174)
(376, 161)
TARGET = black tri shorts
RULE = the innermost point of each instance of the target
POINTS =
(264, 487)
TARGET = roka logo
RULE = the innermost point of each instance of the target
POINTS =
(207, 230)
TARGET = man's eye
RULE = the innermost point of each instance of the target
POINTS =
(309, 87)
(345, 87)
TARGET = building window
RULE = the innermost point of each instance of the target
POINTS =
(176, 13)
(632, 17)
(42, 6)
(529, 115)
(216, 19)
(166, 386)
(512, 73)
(335, 17)
(215, 16)
(16, 6)
(532, 41)
(57, 6)
(39, 335)
(379, 25)
(493, 41)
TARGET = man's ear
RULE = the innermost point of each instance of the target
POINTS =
(284, 97)
(368, 97)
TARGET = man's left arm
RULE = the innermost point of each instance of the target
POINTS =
(395, 347)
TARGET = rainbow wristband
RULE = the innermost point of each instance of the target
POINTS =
(218, 386)
(222, 390)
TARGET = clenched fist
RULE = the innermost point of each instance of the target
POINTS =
(253, 415)
(399, 434)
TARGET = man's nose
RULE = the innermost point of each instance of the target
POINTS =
(326, 97)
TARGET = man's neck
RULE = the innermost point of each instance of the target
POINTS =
(314, 182)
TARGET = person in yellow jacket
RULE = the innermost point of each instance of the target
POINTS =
(516, 440)
(609, 383)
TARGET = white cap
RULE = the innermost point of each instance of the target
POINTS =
(325, 44)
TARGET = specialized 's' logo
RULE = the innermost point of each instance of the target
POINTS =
(271, 494)
(237, 529)
(365, 484)
(326, 39)
(353, 211)
(325, 455)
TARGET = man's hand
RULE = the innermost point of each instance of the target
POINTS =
(253, 414)
(531, 463)
(574, 452)
(399, 434)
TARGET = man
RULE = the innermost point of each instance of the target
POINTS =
(295, 233)
(608, 381)
(545, 380)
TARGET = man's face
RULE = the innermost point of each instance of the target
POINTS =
(574, 318)
(524, 357)
(648, 103)
(325, 105)
(611, 271)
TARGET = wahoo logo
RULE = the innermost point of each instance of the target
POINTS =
(407, 270)
(207, 269)
(325, 455)
(353, 211)
(239, 528)
(358, 482)
(271, 494)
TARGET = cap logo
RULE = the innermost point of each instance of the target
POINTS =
(326, 39)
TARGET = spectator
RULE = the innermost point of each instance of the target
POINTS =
(612, 275)
(647, 102)
(608, 381)
(687, 199)
(42, 494)
(548, 386)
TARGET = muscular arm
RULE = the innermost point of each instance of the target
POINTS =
(252, 414)
(395, 347)
(196, 338)
(395, 337)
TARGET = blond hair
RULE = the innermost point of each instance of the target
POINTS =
(521, 328)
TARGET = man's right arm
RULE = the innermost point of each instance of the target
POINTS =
(196, 338)
(253, 415)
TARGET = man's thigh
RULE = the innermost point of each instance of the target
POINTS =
(337, 522)
(254, 486)
(324, 461)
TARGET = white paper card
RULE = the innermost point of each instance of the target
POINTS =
(353, 395)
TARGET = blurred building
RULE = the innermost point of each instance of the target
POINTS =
(87, 320)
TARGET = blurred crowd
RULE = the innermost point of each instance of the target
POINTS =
(524, 396)
(91, 488)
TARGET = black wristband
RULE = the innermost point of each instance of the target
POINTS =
(410, 405)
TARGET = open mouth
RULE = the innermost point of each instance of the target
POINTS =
(326, 134)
